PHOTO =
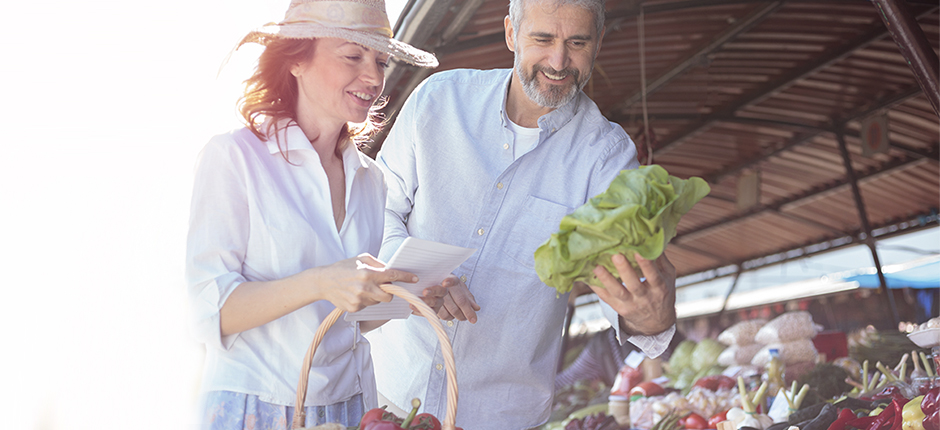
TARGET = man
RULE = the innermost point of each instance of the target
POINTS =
(493, 160)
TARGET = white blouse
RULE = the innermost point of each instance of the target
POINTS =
(258, 217)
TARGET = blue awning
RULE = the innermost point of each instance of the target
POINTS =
(920, 276)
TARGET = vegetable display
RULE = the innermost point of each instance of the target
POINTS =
(694, 393)
(380, 419)
(638, 213)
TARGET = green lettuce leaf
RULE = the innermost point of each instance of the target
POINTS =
(638, 213)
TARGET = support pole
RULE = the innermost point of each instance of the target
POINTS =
(866, 227)
(565, 335)
(914, 46)
(734, 284)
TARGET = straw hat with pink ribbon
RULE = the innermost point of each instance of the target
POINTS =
(361, 21)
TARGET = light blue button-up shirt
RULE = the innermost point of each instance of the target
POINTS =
(452, 178)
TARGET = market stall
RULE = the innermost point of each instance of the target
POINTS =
(769, 374)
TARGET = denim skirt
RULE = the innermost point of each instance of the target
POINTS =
(226, 410)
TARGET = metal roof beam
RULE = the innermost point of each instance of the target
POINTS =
(418, 21)
(866, 227)
(826, 59)
(746, 120)
(807, 221)
(776, 206)
(634, 10)
(914, 46)
(463, 16)
(743, 25)
(840, 123)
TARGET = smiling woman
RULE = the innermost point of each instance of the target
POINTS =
(286, 215)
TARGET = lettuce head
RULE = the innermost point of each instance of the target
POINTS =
(638, 213)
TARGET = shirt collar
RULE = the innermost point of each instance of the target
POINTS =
(550, 121)
(291, 138)
(287, 136)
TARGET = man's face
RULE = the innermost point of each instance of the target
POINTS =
(554, 52)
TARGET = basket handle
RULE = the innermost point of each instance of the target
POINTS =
(446, 349)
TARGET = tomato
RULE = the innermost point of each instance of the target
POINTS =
(425, 421)
(694, 421)
(374, 417)
(376, 414)
(382, 425)
(717, 418)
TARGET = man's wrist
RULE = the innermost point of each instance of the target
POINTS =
(625, 331)
(628, 330)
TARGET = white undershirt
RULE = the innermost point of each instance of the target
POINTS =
(524, 139)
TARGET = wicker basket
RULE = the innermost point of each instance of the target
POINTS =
(446, 349)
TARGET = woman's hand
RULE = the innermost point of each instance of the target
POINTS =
(350, 285)
(353, 284)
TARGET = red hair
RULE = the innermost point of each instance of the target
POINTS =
(271, 92)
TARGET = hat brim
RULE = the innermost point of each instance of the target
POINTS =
(378, 42)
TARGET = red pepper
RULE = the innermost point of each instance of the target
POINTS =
(891, 392)
(647, 389)
(626, 379)
(931, 401)
(715, 382)
(845, 415)
(932, 421)
(898, 421)
(886, 419)
(861, 422)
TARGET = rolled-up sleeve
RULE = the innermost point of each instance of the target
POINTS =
(653, 346)
(217, 239)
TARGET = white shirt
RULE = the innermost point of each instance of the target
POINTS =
(257, 217)
(453, 177)
(524, 138)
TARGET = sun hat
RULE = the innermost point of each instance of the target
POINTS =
(361, 21)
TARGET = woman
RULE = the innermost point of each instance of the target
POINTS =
(286, 215)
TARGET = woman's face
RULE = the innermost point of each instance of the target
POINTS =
(340, 81)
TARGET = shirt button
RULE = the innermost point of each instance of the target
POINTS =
(505, 146)
(439, 366)
(463, 278)
(480, 232)
(499, 186)
(450, 323)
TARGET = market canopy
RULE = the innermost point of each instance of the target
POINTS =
(919, 276)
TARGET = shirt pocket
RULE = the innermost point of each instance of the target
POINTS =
(537, 221)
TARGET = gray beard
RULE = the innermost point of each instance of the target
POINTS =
(556, 96)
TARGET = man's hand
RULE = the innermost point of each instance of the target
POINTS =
(645, 308)
(433, 297)
(459, 303)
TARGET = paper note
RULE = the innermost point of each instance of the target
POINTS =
(430, 261)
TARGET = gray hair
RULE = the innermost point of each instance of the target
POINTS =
(517, 10)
